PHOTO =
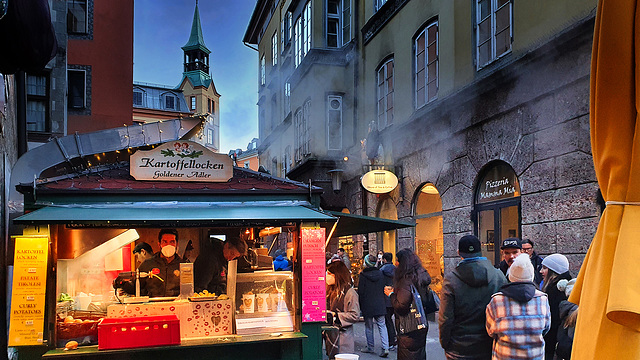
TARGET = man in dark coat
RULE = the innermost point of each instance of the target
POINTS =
(536, 260)
(465, 294)
(210, 267)
(372, 304)
(388, 271)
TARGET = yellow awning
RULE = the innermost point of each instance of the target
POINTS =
(608, 286)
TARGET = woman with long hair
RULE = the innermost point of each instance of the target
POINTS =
(555, 267)
(343, 307)
(409, 272)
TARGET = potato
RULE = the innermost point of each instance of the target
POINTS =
(71, 345)
(69, 319)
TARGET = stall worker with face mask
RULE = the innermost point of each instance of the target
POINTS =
(163, 268)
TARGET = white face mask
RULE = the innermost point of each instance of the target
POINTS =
(168, 250)
(379, 257)
(331, 279)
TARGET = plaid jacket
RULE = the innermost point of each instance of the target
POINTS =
(517, 328)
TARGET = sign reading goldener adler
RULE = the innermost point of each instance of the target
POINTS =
(181, 161)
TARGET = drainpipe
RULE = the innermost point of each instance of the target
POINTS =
(21, 111)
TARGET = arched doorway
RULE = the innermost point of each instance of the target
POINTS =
(387, 210)
(429, 242)
(497, 208)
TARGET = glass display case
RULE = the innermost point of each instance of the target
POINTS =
(264, 302)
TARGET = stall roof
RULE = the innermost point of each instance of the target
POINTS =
(352, 224)
(175, 214)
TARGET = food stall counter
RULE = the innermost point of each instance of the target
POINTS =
(262, 346)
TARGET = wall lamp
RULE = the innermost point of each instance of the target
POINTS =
(336, 179)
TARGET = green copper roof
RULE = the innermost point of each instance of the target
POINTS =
(196, 40)
(197, 78)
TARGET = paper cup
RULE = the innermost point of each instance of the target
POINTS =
(347, 357)
(262, 301)
(274, 299)
(249, 303)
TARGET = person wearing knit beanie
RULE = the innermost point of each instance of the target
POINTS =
(521, 270)
(372, 304)
(370, 261)
(556, 262)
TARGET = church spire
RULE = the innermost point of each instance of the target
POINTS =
(196, 54)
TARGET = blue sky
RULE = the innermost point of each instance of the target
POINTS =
(161, 27)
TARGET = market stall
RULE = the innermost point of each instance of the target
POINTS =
(83, 229)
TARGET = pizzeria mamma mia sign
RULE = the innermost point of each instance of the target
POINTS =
(181, 161)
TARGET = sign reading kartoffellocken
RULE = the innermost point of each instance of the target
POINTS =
(26, 322)
(181, 161)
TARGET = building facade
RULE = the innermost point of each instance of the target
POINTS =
(83, 88)
(481, 110)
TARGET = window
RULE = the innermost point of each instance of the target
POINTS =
(426, 66)
(169, 102)
(385, 94)
(274, 49)
(346, 21)
(77, 16)
(379, 3)
(193, 103)
(209, 136)
(302, 132)
(287, 98)
(263, 76)
(76, 89)
(494, 32)
(137, 97)
(274, 166)
(333, 24)
(334, 122)
(247, 164)
(286, 161)
(302, 34)
(285, 36)
(37, 103)
(307, 28)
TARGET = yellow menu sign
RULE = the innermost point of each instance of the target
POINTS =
(28, 291)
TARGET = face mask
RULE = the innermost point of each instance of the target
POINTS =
(331, 279)
(169, 251)
(379, 257)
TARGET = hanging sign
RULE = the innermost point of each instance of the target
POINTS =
(181, 161)
(26, 324)
(314, 301)
(379, 181)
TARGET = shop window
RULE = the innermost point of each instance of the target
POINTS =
(429, 240)
(38, 103)
(76, 80)
(77, 16)
(426, 65)
(385, 94)
(334, 122)
(497, 208)
(494, 30)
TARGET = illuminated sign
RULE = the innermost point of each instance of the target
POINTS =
(379, 181)
(181, 161)
(314, 300)
(26, 324)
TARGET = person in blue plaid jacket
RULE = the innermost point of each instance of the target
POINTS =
(518, 315)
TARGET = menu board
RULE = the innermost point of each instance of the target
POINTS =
(314, 301)
(28, 292)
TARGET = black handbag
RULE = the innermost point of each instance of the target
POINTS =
(431, 302)
(415, 319)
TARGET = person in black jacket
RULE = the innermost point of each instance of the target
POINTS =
(372, 304)
(568, 317)
(465, 294)
(412, 345)
(389, 270)
(163, 268)
(555, 267)
(210, 267)
(536, 260)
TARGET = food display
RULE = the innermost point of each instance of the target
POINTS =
(80, 327)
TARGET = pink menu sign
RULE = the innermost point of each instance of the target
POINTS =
(314, 301)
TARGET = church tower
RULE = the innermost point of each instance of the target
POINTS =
(198, 87)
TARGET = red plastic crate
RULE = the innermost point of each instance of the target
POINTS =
(135, 332)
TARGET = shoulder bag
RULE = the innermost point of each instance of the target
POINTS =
(415, 319)
(431, 302)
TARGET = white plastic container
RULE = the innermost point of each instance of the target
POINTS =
(347, 357)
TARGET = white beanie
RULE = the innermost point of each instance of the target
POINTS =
(566, 286)
(556, 262)
(521, 269)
